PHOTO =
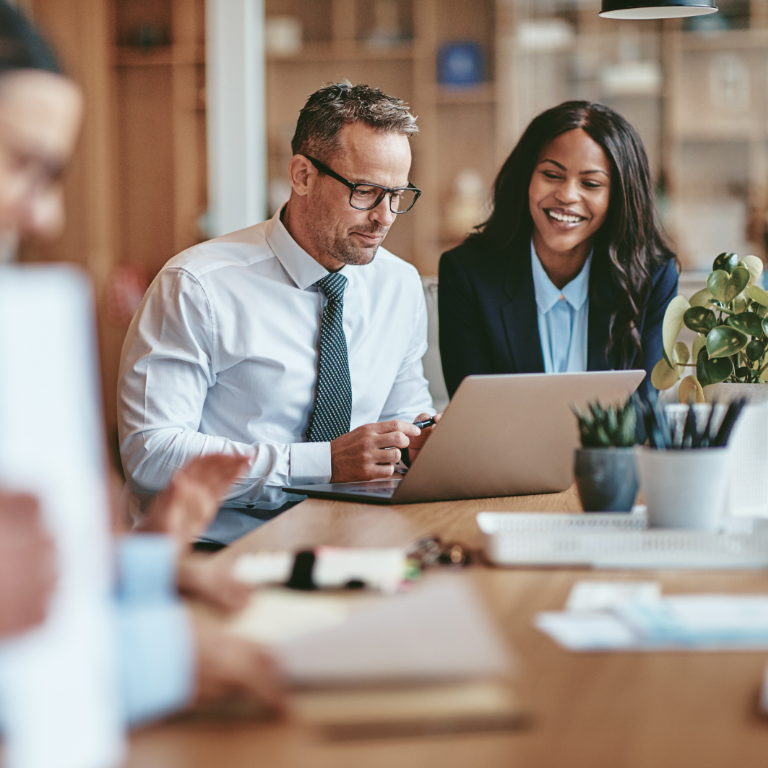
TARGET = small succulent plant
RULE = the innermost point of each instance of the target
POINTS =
(611, 426)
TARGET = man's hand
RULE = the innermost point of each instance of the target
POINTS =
(418, 443)
(231, 666)
(189, 503)
(202, 578)
(27, 564)
(370, 452)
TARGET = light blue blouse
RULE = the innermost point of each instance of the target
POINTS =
(562, 317)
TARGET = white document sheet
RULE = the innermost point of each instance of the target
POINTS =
(633, 616)
(58, 683)
(439, 631)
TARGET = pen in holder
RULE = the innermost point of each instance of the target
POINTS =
(684, 471)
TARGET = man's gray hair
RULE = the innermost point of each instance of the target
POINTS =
(332, 107)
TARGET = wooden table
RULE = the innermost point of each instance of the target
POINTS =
(603, 710)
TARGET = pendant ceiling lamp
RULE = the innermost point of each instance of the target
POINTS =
(656, 9)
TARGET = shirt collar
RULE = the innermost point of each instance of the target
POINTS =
(300, 266)
(548, 294)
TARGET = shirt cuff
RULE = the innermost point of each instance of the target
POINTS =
(310, 463)
(146, 567)
(156, 660)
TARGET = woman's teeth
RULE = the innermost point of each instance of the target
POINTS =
(564, 217)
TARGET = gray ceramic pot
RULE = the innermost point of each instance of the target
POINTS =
(606, 478)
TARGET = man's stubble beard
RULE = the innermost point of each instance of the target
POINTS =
(342, 249)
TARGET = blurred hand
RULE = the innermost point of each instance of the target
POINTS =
(189, 503)
(27, 564)
(231, 666)
(204, 579)
(417, 443)
(370, 452)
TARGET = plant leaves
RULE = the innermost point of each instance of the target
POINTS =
(740, 303)
(700, 319)
(748, 322)
(718, 369)
(690, 390)
(725, 287)
(700, 298)
(758, 294)
(698, 343)
(663, 375)
(681, 353)
(755, 267)
(725, 261)
(754, 350)
(725, 341)
(701, 369)
(672, 325)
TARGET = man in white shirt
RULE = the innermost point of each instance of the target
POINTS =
(237, 349)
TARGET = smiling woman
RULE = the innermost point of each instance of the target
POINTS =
(571, 271)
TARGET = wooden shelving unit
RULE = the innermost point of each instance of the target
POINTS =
(457, 126)
(160, 129)
(137, 185)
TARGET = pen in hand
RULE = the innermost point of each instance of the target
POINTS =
(426, 423)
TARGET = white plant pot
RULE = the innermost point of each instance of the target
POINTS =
(686, 488)
(748, 488)
(724, 392)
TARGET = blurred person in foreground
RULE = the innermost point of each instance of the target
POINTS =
(169, 656)
(296, 342)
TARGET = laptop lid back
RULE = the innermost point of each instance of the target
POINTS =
(509, 435)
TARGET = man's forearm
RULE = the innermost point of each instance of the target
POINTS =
(151, 458)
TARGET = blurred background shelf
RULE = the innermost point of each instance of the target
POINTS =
(696, 91)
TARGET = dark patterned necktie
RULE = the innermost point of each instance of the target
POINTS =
(333, 402)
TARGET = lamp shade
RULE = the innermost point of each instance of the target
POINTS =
(656, 9)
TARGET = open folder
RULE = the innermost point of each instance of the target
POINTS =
(425, 661)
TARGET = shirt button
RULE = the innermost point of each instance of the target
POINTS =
(561, 297)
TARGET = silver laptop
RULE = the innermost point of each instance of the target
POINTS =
(505, 435)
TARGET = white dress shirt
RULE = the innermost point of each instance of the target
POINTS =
(563, 317)
(222, 357)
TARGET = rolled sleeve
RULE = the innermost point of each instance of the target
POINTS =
(155, 637)
(157, 661)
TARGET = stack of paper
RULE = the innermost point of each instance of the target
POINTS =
(424, 661)
(637, 618)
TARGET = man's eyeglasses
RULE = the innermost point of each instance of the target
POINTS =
(365, 196)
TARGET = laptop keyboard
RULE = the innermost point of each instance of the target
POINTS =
(373, 491)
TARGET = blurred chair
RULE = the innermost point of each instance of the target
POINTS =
(433, 368)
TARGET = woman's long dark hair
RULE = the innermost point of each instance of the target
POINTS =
(630, 242)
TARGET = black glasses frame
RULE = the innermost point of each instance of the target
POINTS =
(323, 168)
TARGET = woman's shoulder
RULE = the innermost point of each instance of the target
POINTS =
(474, 258)
(664, 273)
(470, 251)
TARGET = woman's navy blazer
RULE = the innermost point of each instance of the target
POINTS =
(489, 323)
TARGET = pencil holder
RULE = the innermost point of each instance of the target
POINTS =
(684, 489)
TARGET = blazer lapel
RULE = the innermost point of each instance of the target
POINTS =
(599, 322)
(520, 318)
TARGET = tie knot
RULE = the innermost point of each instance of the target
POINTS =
(333, 286)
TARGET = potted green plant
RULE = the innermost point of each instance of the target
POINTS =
(606, 477)
(730, 320)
